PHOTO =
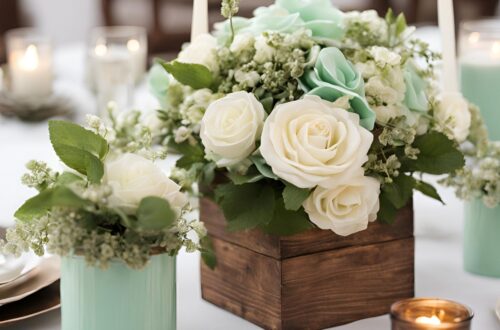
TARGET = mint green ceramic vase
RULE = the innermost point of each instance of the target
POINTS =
(119, 297)
(482, 239)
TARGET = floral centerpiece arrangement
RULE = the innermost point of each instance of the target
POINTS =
(311, 116)
(116, 219)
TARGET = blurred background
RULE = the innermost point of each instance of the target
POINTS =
(168, 21)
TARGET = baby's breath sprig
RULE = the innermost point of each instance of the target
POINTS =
(229, 9)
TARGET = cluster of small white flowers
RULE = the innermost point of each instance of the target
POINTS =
(365, 27)
(40, 175)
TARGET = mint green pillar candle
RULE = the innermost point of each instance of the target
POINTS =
(118, 297)
(480, 84)
(482, 239)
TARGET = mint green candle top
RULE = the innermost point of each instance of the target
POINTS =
(480, 69)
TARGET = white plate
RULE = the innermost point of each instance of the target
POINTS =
(12, 268)
(46, 273)
(497, 309)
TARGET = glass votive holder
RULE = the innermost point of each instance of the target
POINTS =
(107, 43)
(29, 64)
(430, 314)
(479, 47)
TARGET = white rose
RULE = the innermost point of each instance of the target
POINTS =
(453, 113)
(241, 42)
(231, 126)
(311, 142)
(202, 50)
(345, 209)
(384, 56)
(133, 178)
(264, 52)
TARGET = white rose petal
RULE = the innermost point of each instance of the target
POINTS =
(231, 126)
(202, 50)
(453, 113)
(310, 142)
(133, 178)
(345, 209)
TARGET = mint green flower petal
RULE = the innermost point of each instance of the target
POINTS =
(332, 67)
(415, 96)
(320, 16)
(358, 104)
(223, 29)
(325, 29)
(158, 81)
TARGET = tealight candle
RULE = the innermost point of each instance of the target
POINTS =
(30, 64)
(480, 69)
(430, 314)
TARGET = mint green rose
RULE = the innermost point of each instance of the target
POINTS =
(415, 96)
(159, 81)
(334, 77)
(287, 16)
(320, 16)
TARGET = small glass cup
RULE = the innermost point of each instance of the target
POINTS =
(116, 61)
(30, 64)
(430, 314)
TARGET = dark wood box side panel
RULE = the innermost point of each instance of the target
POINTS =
(244, 283)
(331, 288)
(318, 240)
(255, 240)
(312, 241)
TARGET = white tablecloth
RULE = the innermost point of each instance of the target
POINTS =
(438, 228)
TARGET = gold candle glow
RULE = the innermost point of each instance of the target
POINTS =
(430, 314)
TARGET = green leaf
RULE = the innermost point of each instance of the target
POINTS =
(196, 76)
(294, 197)
(67, 178)
(400, 24)
(246, 206)
(81, 161)
(70, 134)
(399, 191)
(207, 252)
(191, 155)
(43, 202)
(263, 168)
(428, 190)
(286, 222)
(387, 213)
(438, 155)
(154, 213)
(389, 16)
(253, 175)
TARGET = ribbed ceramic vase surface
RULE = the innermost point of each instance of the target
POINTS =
(118, 298)
(482, 239)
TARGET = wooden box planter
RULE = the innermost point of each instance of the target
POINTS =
(311, 280)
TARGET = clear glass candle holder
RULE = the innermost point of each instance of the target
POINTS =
(479, 48)
(117, 59)
(430, 314)
(30, 64)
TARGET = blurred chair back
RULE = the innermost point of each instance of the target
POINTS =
(10, 18)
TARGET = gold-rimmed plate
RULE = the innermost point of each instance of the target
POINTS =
(42, 301)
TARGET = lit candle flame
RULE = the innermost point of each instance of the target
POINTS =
(133, 45)
(29, 61)
(474, 37)
(495, 50)
(101, 49)
(433, 320)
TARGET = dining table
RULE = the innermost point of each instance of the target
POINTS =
(438, 228)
